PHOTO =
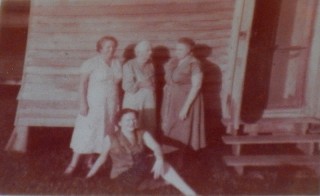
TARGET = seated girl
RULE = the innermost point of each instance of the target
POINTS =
(129, 159)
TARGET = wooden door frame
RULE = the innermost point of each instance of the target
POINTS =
(239, 46)
(238, 53)
(312, 107)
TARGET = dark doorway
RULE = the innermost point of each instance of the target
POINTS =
(259, 64)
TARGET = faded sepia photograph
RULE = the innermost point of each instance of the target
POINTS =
(159, 97)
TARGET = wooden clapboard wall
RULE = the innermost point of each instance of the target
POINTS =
(63, 33)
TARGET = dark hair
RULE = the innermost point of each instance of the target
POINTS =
(124, 111)
(188, 42)
(104, 39)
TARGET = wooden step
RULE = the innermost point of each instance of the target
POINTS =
(272, 139)
(271, 160)
(277, 120)
(297, 125)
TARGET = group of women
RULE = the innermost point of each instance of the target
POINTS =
(103, 128)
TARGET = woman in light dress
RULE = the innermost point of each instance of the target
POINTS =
(139, 86)
(182, 107)
(99, 101)
(131, 165)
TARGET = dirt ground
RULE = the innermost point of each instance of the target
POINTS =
(40, 170)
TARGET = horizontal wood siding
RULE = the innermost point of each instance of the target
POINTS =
(63, 33)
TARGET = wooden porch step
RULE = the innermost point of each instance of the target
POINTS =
(277, 120)
(271, 160)
(239, 162)
(272, 139)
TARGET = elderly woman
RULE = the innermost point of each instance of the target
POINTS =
(139, 85)
(99, 101)
(182, 109)
(130, 163)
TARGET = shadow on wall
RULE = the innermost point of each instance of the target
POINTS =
(256, 87)
(212, 82)
(128, 53)
(160, 56)
(260, 60)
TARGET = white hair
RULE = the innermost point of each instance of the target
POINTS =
(141, 45)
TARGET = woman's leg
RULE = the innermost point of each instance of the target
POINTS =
(173, 178)
(72, 165)
(89, 160)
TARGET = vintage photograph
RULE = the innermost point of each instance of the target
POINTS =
(159, 97)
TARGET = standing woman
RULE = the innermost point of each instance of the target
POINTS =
(182, 107)
(139, 86)
(99, 101)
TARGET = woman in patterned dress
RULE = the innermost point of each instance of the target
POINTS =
(182, 109)
(99, 101)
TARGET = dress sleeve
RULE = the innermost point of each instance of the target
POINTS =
(117, 69)
(129, 83)
(196, 68)
(86, 67)
(168, 70)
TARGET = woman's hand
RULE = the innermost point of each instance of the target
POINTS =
(196, 80)
(158, 168)
(183, 113)
(84, 109)
(146, 84)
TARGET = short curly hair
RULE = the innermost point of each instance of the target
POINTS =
(124, 111)
(104, 39)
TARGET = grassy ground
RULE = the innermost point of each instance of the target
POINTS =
(40, 170)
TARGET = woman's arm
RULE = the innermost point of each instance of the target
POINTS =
(158, 167)
(117, 72)
(196, 83)
(84, 107)
(129, 84)
(167, 71)
(102, 157)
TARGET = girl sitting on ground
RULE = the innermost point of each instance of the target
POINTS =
(130, 162)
